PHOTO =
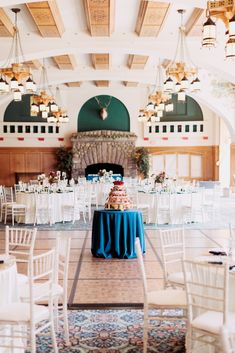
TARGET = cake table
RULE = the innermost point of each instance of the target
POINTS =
(114, 233)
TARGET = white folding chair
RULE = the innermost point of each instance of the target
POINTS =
(29, 319)
(60, 284)
(12, 208)
(43, 208)
(136, 202)
(163, 208)
(19, 242)
(172, 243)
(228, 339)
(207, 297)
(160, 299)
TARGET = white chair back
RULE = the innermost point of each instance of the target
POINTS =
(206, 288)
(228, 339)
(141, 265)
(172, 243)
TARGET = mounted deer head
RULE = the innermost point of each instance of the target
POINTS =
(103, 108)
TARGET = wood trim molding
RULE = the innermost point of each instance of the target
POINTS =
(6, 26)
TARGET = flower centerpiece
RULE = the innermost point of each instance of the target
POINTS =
(53, 177)
(160, 178)
(41, 178)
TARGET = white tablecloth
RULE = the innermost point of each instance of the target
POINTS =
(57, 200)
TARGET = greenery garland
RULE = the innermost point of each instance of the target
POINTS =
(141, 158)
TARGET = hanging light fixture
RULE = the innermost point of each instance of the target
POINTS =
(57, 114)
(225, 11)
(158, 101)
(182, 74)
(15, 75)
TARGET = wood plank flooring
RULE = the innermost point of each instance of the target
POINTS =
(113, 282)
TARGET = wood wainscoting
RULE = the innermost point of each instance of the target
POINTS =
(209, 156)
(25, 163)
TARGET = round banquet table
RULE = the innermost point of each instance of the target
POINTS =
(57, 200)
(114, 233)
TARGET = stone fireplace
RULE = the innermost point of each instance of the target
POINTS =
(103, 146)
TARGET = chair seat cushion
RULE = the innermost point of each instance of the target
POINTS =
(20, 312)
(212, 321)
(40, 291)
(176, 277)
(22, 279)
(168, 298)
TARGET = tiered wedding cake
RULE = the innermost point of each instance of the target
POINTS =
(118, 199)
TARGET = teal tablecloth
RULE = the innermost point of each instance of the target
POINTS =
(114, 233)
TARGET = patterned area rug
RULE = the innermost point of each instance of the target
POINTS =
(120, 331)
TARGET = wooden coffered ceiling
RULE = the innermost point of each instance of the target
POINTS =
(100, 16)
(6, 26)
(151, 17)
(102, 83)
(47, 18)
(65, 62)
(137, 61)
(100, 61)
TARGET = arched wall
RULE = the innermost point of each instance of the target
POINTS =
(89, 118)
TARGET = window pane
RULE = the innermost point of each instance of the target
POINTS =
(35, 129)
(172, 128)
(194, 128)
(43, 129)
(157, 128)
(186, 128)
(171, 165)
(179, 128)
(164, 128)
(201, 128)
(183, 165)
(196, 166)
(158, 163)
(12, 129)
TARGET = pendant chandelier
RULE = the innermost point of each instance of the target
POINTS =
(15, 75)
(158, 102)
(182, 74)
(224, 10)
(44, 104)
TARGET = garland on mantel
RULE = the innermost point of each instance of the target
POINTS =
(105, 134)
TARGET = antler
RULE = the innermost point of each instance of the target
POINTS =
(104, 105)
(99, 104)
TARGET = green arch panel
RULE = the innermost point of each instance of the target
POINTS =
(20, 112)
(118, 116)
(188, 111)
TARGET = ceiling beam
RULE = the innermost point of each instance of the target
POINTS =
(193, 26)
(151, 17)
(6, 26)
(102, 83)
(47, 18)
(100, 61)
(100, 17)
(34, 64)
(137, 61)
(65, 62)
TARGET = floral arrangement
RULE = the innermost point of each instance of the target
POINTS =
(160, 178)
(41, 177)
(103, 172)
(53, 177)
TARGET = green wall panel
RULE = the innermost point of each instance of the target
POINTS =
(188, 111)
(89, 118)
(20, 112)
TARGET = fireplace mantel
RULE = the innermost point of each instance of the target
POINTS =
(103, 146)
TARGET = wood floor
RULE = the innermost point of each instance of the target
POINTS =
(100, 282)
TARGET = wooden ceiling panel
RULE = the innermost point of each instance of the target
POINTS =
(130, 84)
(102, 83)
(193, 26)
(65, 62)
(34, 64)
(6, 26)
(151, 18)
(100, 16)
(137, 61)
(47, 18)
(73, 84)
(100, 61)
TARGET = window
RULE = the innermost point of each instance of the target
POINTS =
(20, 129)
(186, 128)
(12, 129)
(172, 128)
(179, 128)
(57, 129)
(35, 129)
(27, 129)
(5, 129)
(164, 128)
(50, 129)
(150, 129)
(201, 128)
(157, 129)
(43, 129)
(194, 128)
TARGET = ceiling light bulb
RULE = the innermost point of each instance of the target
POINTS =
(13, 83)
(231, 30)
(181, 96)
(17, 96)
(168, 84)
(230, 49)
(184, 83)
